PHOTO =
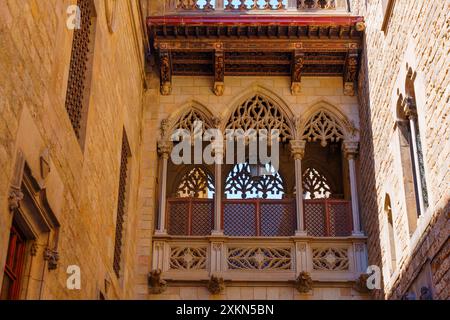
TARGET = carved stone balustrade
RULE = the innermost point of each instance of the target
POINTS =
(279, 259)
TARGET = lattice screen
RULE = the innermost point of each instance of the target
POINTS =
(278, 219)
(190, 217)
(121, 203)
(340, 219)
(314, 214)
(328, 218)
(178, 218)
(202, 218)
(239, 219)
(77, 84)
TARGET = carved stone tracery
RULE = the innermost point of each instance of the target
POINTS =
(316, 184)
(188, 119)
(259, 113)
(240, 182)
(330, 259)
(259, 258)
(323, 127)
(188, 258)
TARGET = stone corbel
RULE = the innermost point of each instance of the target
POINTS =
(165, 71)
(216, 285)
(304, 282)
(156, 285)
(361, 283)
(219, 70)
(52, 257)
(351, 70)
(296, 77)
(15, 196)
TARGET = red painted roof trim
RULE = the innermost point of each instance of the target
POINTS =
(253, 20)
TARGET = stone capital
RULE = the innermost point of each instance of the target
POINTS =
(298, 149)
(350, 149)
(164, 148)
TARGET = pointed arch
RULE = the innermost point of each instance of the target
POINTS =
(187, 114)
(259, 108)
(324, 122)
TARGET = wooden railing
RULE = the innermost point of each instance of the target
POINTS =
(259, 217)
(258, 5)
(328, 217)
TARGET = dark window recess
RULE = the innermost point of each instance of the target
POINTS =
(77, 96)
(14, 266)
(121, 203)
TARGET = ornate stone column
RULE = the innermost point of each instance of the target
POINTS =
(410, 111)
(350, 149)
(298, 152)
(164, 148)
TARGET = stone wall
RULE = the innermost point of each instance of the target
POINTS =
(417, 37)
(82, 187)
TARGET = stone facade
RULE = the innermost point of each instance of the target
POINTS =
(416, 37)
(81, 180)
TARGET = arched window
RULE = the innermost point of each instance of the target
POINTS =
(196, 183)
(390, 233)
(188, 119)
(246, 181)
(411, 154)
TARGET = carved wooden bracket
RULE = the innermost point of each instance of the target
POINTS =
(156, 285)
(219, 70)
(165, 72)
(351, 70)
(296, 77)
